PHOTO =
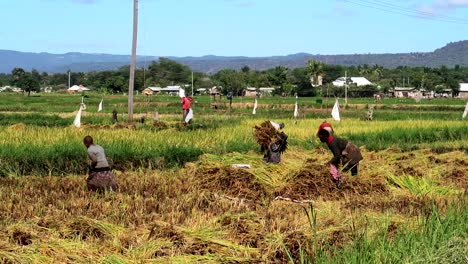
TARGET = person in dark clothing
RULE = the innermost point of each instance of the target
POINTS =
(344, 152)
(273, 153)
(273, 142)
(114, 116)
(229, 97)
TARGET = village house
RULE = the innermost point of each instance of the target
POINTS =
(151, 90)
(463, 91)
(262, 91)
(172, 89)
(215, 90)
(358, 81)
(77, 88)
(406, 92)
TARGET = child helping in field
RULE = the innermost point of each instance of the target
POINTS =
(344, 153)
(100, 176)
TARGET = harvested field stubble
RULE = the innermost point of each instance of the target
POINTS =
(314, 181)
(209, 212)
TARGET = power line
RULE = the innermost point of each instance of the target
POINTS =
(417, 14)
(415, 11)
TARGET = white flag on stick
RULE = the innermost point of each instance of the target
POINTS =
(255, 107)
(77, 121)
(465, 112)
(100, 106)
(189, 116)
(181, 93)
(336, 111)
(82, 106)
(296, 111)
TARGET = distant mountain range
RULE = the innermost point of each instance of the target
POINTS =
(452, 54)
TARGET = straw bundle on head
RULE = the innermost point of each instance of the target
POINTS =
(266, 133)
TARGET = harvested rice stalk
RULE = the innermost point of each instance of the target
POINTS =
(272, 141)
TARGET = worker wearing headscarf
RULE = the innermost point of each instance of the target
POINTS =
(345, 153)
(100, 176)
(327, 126)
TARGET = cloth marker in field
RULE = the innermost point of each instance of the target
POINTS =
(255, 107)
(189, 116)
(296, 112)
(77, 121)
(100, 105)
(83, 106)
(465, 112)
(336, 111)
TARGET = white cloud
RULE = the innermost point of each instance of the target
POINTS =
(441, 6)
(242, 3)
(85, 1)
(340, 9)
(451, 4)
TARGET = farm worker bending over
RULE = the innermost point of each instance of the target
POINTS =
(344, 152)
(272, 140)
(100, 176)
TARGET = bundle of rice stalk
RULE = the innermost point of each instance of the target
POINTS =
(266, 133)
(87, 228)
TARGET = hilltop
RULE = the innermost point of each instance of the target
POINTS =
(455, 53)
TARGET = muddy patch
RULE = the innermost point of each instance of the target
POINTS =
(459, 177)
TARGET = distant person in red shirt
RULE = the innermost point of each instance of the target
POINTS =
(186, 105)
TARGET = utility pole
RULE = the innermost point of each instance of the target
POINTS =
(133, 61)
(192, 83)
(346, 86)
(69, 79)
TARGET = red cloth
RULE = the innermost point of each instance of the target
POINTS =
(186, 103)
(330, 139)
(327, 126)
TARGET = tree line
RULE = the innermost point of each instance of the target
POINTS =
(303, 81)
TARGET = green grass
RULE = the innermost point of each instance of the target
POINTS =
(40, 150)
(438, 238)
(409, 138)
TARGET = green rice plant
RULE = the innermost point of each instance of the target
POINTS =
(421, 186)
(409, 245)
(408, 138)
(38, 150)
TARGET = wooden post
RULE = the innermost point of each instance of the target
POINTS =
(133, 61)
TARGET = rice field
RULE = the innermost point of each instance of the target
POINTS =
(180, 200)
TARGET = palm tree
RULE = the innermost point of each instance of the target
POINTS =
(377, 73)
(315, 69)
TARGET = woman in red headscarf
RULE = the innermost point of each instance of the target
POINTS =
(345, 153)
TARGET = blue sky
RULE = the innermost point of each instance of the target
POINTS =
(232, 27)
